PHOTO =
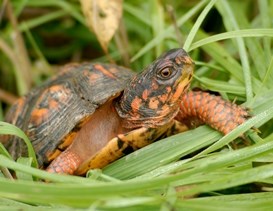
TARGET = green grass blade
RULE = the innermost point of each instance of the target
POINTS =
(262, 102)
(221, 86)
(70, 8)
(256, 121)
(169, 30)
(267, 80)
(161, 153)
(27, 162)
(254, 201)
(3, 151)
(220, 55)
(76, 194)
(20, 6)
(197, 24)
(266, 19)
(41, 20)
(41, 173)
(269, 74)
(232, 34)
(231, 23)
(240, 178)
(137, 12)
(9, 129)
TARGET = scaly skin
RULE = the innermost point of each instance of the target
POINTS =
(67, 162)
(212, 110)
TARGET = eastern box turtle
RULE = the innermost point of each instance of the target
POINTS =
(92, 114)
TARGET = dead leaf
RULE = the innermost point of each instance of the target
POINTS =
(102, 17)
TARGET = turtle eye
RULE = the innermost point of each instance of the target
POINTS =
(165, 73)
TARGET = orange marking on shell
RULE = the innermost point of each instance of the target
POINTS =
(154, 103)
(20, 102)
(39, 115)
(86, 73)
(92, 76)
(145, 94)
(104, 71)
(19, 107)
(55, 88)
(53, 104)
(136, 104)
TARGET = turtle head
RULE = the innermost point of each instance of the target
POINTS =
(153, 96)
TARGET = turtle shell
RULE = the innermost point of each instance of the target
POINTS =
(52, 114)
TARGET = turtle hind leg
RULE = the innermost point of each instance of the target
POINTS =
(66, 163)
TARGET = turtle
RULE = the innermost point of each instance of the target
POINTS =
(91, 114)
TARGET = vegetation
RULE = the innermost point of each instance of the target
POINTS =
(231, 43)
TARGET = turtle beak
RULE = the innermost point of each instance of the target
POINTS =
(187, 70)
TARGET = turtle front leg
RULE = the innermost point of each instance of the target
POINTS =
(126, 143)
(66, 163)
(212, 110)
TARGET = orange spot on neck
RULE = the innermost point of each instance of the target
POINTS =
(136, 104)
(163, 98)
(153, 103)
(182, 86)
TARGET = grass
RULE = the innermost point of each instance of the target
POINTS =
(233, 52)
